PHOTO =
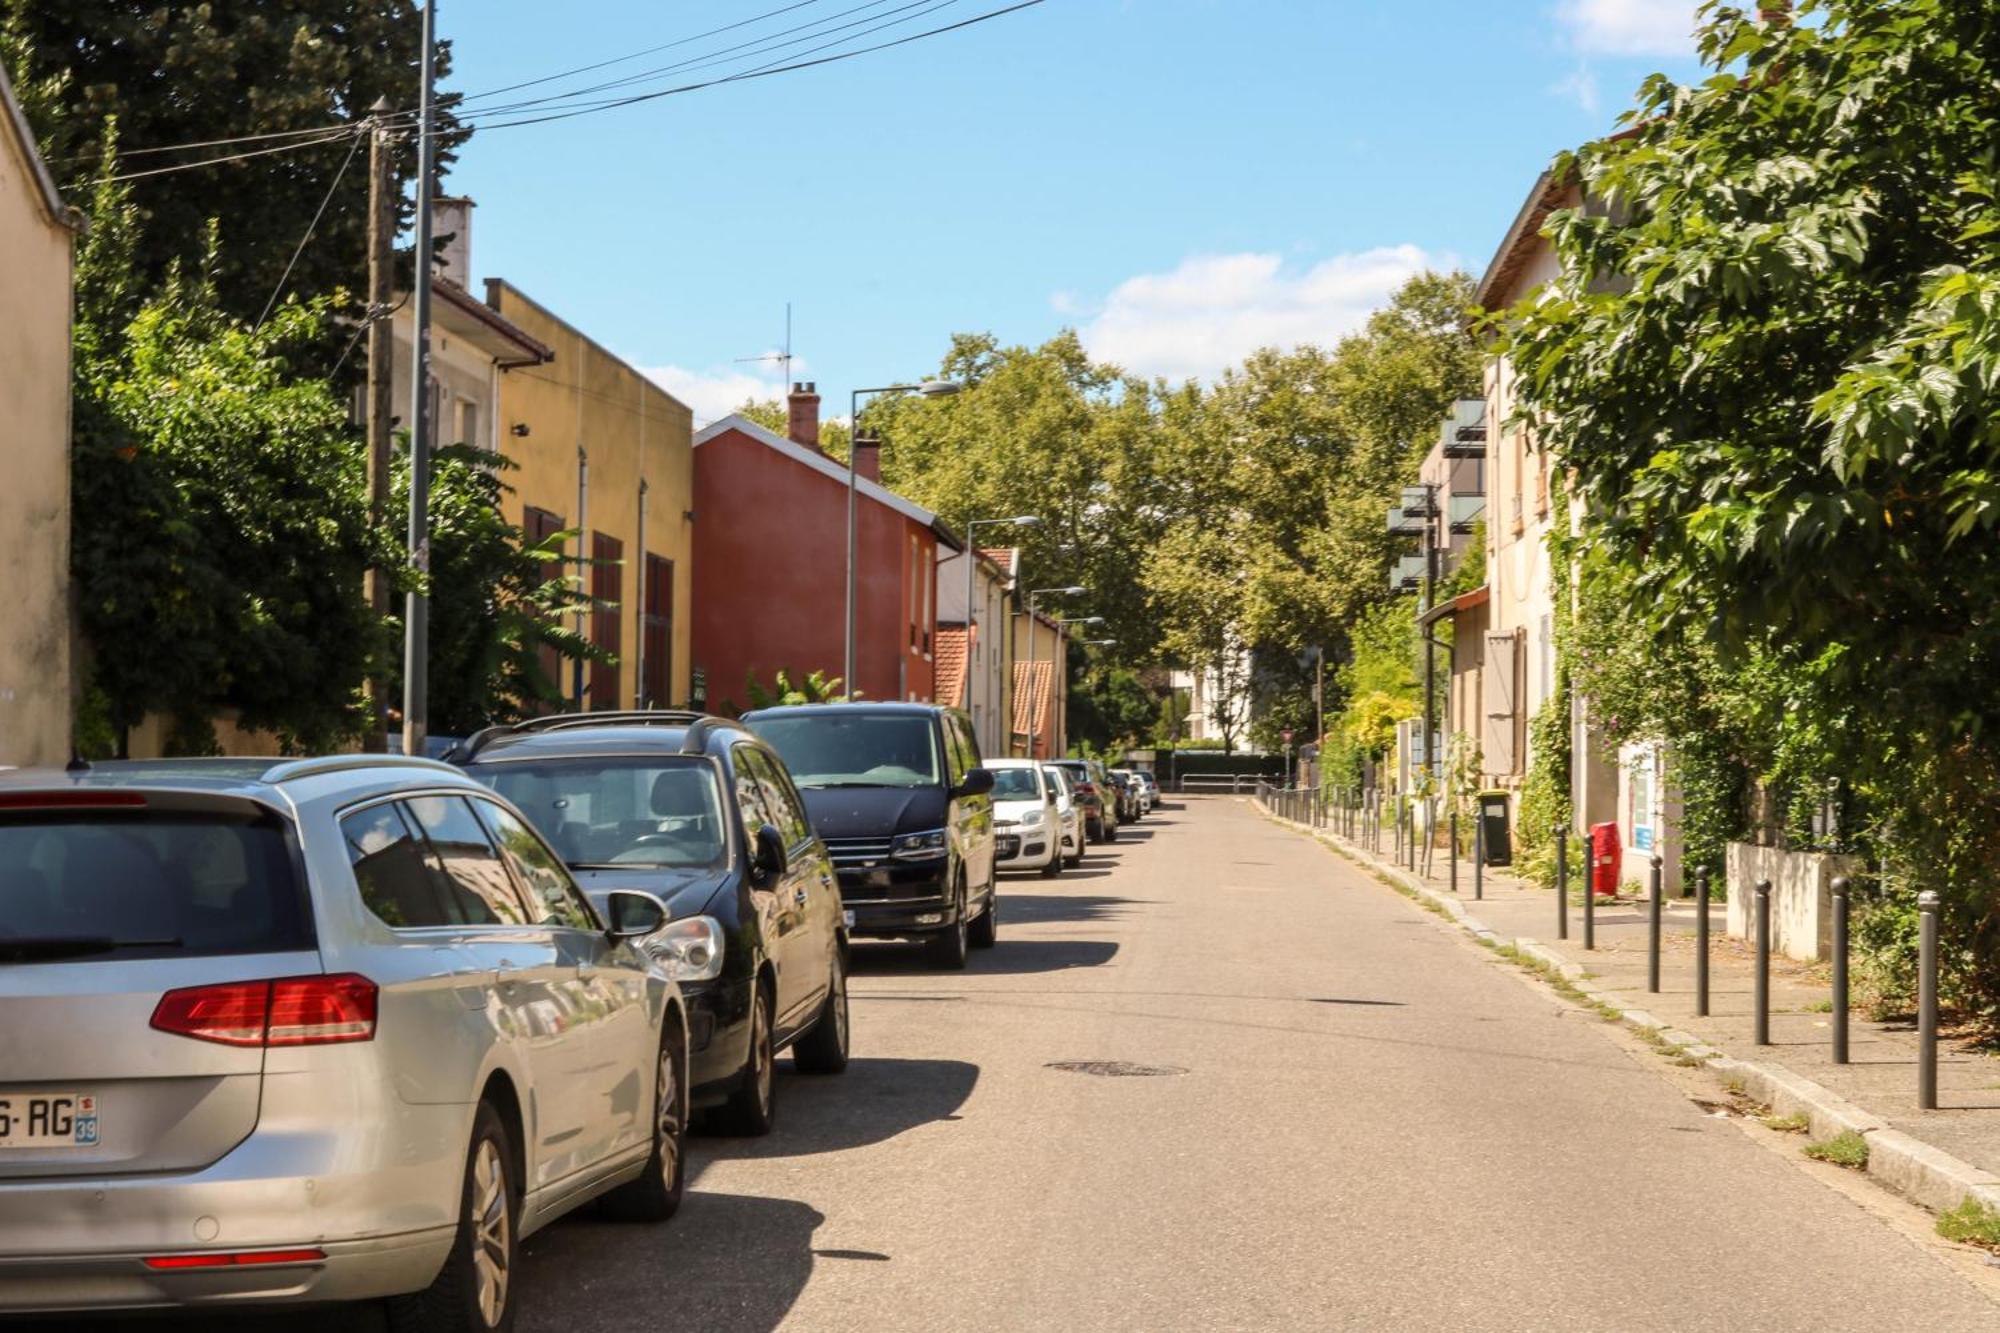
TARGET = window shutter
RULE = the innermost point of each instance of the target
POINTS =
(1503, 703)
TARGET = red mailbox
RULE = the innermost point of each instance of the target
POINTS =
(1604, 856)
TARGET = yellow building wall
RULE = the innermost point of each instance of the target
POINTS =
(631, 430)
(34, 466)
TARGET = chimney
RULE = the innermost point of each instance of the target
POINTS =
(802, 418)
(868, 457)
(451, 220)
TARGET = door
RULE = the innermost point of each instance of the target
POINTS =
(808, 900)
(971, 816)
(753, 805)
(604, 990)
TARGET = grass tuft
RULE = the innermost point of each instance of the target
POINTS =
(1971, 1223)
(1798, 1122)
(1846, 1149)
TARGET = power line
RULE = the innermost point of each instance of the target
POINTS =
(311, 227)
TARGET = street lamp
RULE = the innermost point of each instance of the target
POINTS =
(929, 389)
(1074, 590)
(971, 559)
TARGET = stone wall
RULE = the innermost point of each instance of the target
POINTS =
(1801, 896)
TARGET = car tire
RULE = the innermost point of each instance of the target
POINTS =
(1111, 833)
(752, 1109)
(823, 1050)
(951, 947)
(474, 1291)
(1055, 865)
(985, 932)
(656, 1195)
(1076, 857)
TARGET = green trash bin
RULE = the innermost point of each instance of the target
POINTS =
(1496, 832)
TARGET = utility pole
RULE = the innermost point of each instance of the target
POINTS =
(381, 378)
(416, 624)
(1430, 645)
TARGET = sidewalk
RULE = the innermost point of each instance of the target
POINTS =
(1875, 1094)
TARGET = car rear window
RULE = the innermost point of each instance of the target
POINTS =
(78, 887)
(1015, 784)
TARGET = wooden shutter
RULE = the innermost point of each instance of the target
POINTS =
(658, 629)
(1503, 703)
(538, 525)
(607, 585)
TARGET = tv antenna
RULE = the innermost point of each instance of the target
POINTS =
(784, 358)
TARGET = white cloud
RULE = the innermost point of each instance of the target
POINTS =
(1630, 27)
(714, 393)
(1581, 87)
(1214, 310)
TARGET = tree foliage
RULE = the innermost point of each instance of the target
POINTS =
(1771, 367)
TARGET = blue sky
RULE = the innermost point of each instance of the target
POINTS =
(1181, 180)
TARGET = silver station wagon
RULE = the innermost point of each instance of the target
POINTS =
(321, 1030)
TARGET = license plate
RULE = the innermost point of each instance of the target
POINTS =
(847, 918)
(1008, 846)
(47, 1120)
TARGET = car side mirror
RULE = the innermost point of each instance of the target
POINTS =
(634, 913)
(978, 782)
(767, 858)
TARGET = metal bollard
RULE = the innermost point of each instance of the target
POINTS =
(1840, 889)
(1927, 999)
(1562, 881)
(1653, 928)
(1761, 999)
(1701, 942)
(1454, 850)
(1478, 858)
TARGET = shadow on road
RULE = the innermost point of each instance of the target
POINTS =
(1035, 908)
(1008, 957)
(876, 1099)
(732, 1263)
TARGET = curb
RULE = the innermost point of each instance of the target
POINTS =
(1916, 1170)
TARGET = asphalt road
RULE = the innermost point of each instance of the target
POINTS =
(1362, 1121)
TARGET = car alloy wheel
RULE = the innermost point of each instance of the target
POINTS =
(667, 1121)
(492, 1232)
(760, 1053)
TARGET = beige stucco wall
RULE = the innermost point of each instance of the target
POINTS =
(632, 429)
(35, 303)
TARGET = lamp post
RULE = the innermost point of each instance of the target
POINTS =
(971, 560)
(1074, 590)
(417, 607)
(929, 389)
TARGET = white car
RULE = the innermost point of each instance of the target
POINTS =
(1026, 827)
(1069, 814)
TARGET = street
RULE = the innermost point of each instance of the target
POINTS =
(1377, 1127)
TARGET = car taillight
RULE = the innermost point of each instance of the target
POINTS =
(291, 1011)
(241, 1259)
(1087, 788)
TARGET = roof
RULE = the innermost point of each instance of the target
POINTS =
(1517, 245)
(1465, 601)
(499, 291)
(59, 213)
(221, 776)
(1032, 685)
(950, 648)
(1007, 559)
(827, 467)
(487, 329)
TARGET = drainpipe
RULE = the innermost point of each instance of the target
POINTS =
(582, 554)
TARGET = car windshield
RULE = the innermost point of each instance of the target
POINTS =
(637, 812)
(854, 749)
(1015, 784)
(83, 886)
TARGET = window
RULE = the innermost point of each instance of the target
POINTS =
(854, 749)
(607, 585)
(552, 896)
(915, 596)
(468, 423)
(751, 801)
(960, 755)
(393, 869)
(601, 813)
(656, 631)
(779, 798)
(476, 882)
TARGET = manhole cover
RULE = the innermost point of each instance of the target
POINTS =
(1115, 1068)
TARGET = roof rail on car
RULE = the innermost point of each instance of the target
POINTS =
(290, 770)
(466, 750)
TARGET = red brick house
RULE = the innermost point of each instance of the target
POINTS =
(770, 565)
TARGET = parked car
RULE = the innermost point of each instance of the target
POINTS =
(898, 793)
(1130, 808)
(1151, 785)
(700, 812)
(321, 1030)
(1100, 799)
(1027, 823)
(1069, 814)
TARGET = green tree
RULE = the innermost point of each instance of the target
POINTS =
(1770, 368)
(174, 72)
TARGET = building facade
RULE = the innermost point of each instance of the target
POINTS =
(770, 592)
(600, 448)
(1040, 678)
(37, 232)
(975, 664)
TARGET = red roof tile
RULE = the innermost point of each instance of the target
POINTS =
(1031, 697)
(951, 659)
